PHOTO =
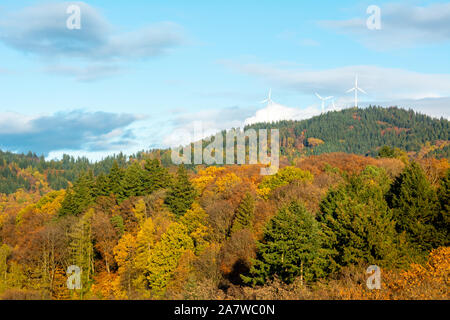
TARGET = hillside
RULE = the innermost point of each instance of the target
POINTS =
(363, 131)
(357, 131)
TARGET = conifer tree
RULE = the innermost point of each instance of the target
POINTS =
(80, 197)
(358, 223)
(155, 176)
(244, 215)
(444, 209)
(182, 193)
(291, 247)
(415, 208)
(115, 180)
(133, 181)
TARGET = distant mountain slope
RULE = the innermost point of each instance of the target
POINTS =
(363, 131)
(359, 131)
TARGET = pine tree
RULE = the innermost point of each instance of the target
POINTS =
(102, 186)
(414, 203)
(244, 215)
(444, 209)
(291, 247)
(115, 180)
(358, 223)
(133, 181)
(80, 197)
(155, 177)
(182, 193)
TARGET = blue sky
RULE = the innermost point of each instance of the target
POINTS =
(137, 73)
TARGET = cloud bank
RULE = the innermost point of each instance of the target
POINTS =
(74, 130)
(401, 26)
(41, 30)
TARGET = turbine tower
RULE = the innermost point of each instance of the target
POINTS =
(323, 101)
(269, 99)
(356, 88)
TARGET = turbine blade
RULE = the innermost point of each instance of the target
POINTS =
(318, 96)
(327, 98)
(362, 90)
(352, 89)
(264, 101)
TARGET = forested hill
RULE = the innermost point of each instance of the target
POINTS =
(364, 131)
(358, 131)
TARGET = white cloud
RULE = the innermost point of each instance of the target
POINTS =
(401, 25)
(208, 122)
(41, 30)
(380, 83)
(275, 112)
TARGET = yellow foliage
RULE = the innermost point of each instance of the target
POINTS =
(205, 177)
(226, 182)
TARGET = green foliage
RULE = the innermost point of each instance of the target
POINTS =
(443, 223)
(244, 214)
(79, 198)
(165, 256)
(283, 177)
(361, 131)
(156, 176)
(415, 206)
(388, 152)
(82, 249)
(182, 193)
(358, 223)
(291, 247)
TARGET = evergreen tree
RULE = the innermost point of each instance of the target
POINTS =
(244, 215)
(415, 208)
(182, 193)
(133, 181)
(444, 208)
(102, 186)
(155, 177)
(80, 197)
(291, 247)
(115, 180)
(358, 223)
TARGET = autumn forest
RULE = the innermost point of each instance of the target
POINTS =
(355, 188)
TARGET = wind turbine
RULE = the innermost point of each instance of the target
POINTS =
(269, 99)
(323, 100)
(356, 88)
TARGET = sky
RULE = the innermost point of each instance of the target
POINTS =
(138, 74)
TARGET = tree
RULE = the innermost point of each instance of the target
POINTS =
(115, 177)
(5, 252)
(165, 256)
(105, 237)
(80, 197)
(358, 223)
(415, 208)
(182, 194)
(291, 247)
(283, 177)
(444, 208)
(155, 176)
(244, 214)
(133, 181)
(196, 222)
(82, 251)
(125, 255)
